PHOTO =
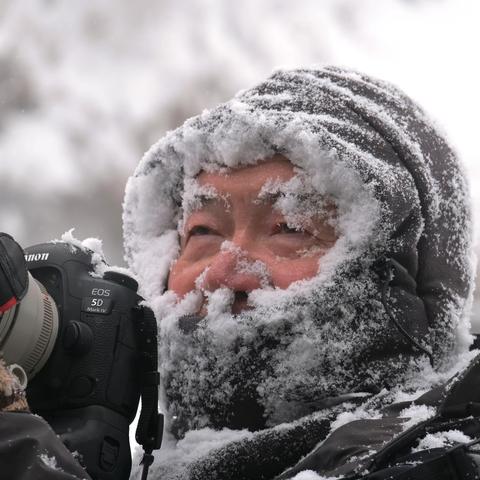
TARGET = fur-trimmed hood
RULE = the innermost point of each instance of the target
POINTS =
(396, 285)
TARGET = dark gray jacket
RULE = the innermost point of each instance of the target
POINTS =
(30, 450)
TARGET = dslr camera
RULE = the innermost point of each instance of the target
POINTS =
(86, 349)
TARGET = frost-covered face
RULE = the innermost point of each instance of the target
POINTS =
(251, 329)
(238, 238)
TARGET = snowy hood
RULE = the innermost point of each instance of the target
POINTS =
(367, 126)
(401, 198)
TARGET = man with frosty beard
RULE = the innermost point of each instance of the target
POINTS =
(306, 250)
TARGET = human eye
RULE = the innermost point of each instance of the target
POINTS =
(199, 236)
(200, 230)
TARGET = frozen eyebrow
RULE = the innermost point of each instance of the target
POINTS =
(295, 192)
(197, 196)
(271, 191)
(267, 197)
(278, 197)
(201, 200)
(297, 200)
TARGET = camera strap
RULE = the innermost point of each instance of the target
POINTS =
(150, 423)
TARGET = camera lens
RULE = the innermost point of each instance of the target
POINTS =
(29, 330)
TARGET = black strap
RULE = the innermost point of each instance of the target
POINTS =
(150, 423)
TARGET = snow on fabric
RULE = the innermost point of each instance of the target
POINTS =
(50, 462)
(309, 475)
(358, 144)
(441, 439)
(416, 414)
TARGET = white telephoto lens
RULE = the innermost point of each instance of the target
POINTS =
(29, 330)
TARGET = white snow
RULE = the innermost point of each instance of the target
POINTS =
(243, 264)
(441, 439)
(94, 247)
(416, 414)
(360, 413)
(50, 462)
(311, 475)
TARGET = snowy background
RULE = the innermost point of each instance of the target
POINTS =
(87, 87)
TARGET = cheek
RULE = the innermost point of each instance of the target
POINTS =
(285, 272)
(181, 278)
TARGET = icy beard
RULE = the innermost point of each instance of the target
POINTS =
(292, 354)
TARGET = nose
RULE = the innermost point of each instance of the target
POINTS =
(232, 269)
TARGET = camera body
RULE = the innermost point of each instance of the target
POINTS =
(89, 389)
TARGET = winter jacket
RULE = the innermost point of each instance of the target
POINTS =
(325, 362)
(30, 450)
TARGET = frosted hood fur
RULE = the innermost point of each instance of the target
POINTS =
(401, 197)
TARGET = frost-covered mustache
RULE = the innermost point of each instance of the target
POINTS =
(189, 323)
